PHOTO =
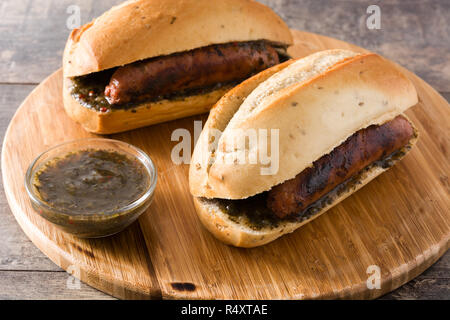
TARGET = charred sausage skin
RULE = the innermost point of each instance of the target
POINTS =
(198, 68)
(357, 152)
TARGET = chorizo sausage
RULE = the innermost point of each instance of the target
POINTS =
(357, 152)
(198, 68)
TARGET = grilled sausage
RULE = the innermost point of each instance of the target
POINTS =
(198, 68)
(358, 151)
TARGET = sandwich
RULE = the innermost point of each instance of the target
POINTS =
(150, 61)
(331, 122)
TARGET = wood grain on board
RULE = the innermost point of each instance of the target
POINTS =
(399, 222)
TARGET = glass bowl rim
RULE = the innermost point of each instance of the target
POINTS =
(141, 156)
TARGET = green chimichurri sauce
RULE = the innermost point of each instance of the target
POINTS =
(91, 182)
(89, 89)
(89, 92)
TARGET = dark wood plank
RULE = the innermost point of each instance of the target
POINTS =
(16, 252)
(45, 285)
(422, 289)
(414, 33)
(446, 95)
(33, 34)
(433, 284)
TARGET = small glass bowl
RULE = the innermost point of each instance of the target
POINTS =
(92, 225)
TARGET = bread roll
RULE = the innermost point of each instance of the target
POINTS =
(333, 94)
(142, 29)
(316, 103)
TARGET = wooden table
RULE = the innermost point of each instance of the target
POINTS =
(414, 33)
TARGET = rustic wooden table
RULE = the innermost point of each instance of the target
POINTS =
(415, 33)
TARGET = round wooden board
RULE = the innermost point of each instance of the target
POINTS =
(399, 222)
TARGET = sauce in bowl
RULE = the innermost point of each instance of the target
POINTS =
(95, 190)
(91, 181)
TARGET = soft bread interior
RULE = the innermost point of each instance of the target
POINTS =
(238, 231)
(315, 104)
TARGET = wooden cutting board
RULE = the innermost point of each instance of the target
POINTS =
(399, 223)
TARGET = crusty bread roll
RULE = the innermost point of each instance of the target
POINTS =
(316, 103)
(142, 29)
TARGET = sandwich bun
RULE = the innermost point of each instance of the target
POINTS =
(316, 103)
(142, 29)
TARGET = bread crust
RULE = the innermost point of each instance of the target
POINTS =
(144, 114)
(141, 29)
(313, 117)
(237, 234)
